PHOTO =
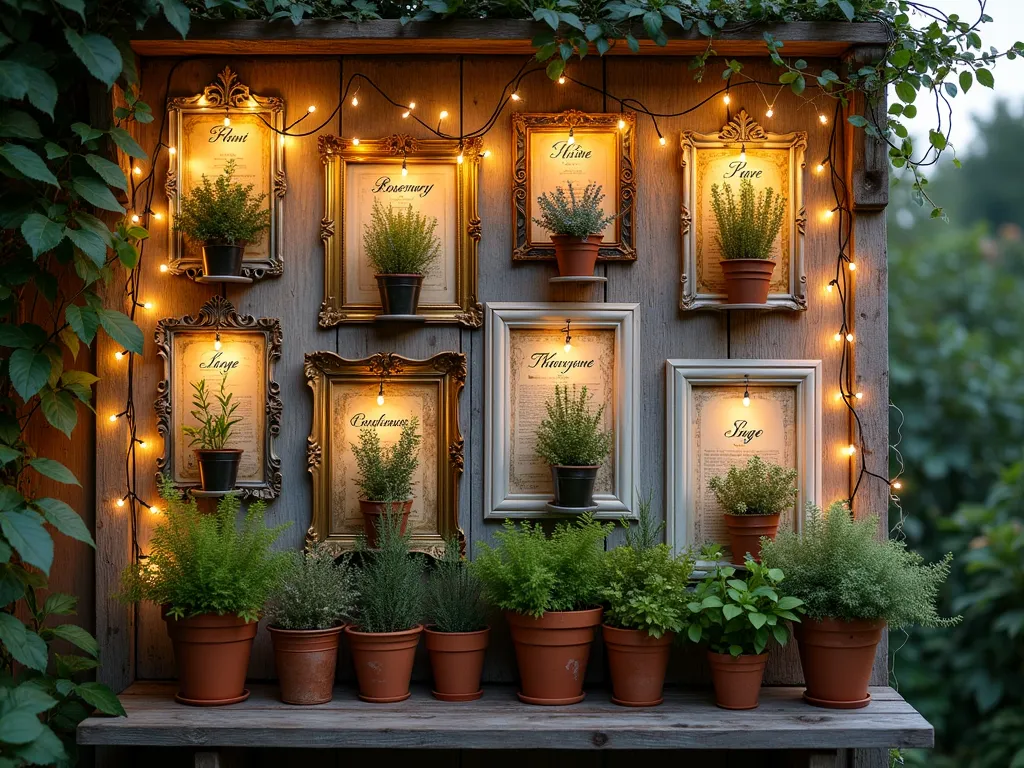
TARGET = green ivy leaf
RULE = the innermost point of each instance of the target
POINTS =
(64, 519)
(60, 604)
(96, 192)
(731, 612)
(108, 171)
(20, 727)
(24, 645)
(41, 233)
(127, 144)
(121, 329)
(59, 409)
(29, 371)
(847, 8)
(68, 666)
(83, 321)
(30, 696)
(25, 532)
(78, 637)
(101, 697)
(966, 80)
(788, 603)
(54, 151)
(19, 80)
(906, 92)
(86, 132)
(546, 15)
(18, 125)
(693, 632)
(937, 139)
(11, 587)
(985, 78)
(89, 243)
(78, 6)
(28, 163)
(8, 454)
(98, 53)
(177, 15)
(47, 749)
(54, 470)
(554, 70)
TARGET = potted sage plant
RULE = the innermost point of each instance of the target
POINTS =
(385, 476)
(214, 412)
(400, 246)
(576, 224)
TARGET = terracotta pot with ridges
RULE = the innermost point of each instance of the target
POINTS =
(576, 256)
(305, 660)
(212, 656)
(383, 662)
(747, 281)
(837, 657)
(745, 532)
(457, 660)
(373, 515)
(737, 679)
(552, 654)
(638, 663)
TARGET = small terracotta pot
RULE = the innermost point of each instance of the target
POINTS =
(305, 660)
(737, 679)
(638, 663)
(383, 662)
(552, 654)
(747, 280)
(837, 657)
(576, 256)
(373, 516)
(212, 656)
(745, 532)
(457, 659)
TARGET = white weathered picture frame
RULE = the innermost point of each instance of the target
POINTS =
(680, 467)
(501, 319)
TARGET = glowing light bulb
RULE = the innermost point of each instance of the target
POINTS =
(726, 99)
(444, 114)
(743, 153)
(572, 139)
(746, 401)
(136, 170)
(828, 288)
(406, 113)
(838, 337)
(622, 125)
(662, 140)
(819, 168)
(852, 266)
(355, 101)
(859, 395)
(158, 216)
(154, 511)
(851, 449)
(823, 119)
(896, 484)
(849, 337)
(770, 112)
(460, 159)
(216, 343)
(227, 121)
(113, 418)
(148, 304)
(515, 96)
(355, 142)
(119, 503)
(311, 108)
(405, 171)
(117, 356)
(561, 80)
(163, 267)
(567, 347)
(829, 213)
(380, 399)
(839, 396)
(143, 444)
(486, 153)
(412, 105)
(135, 218)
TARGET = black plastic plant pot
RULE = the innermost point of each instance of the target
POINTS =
(218, 470)
(399, 294)
(574, 486)
(221, 260)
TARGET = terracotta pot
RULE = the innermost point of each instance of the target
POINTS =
(574, 486)
(576, 256)
(223, 260)
(552, 654)
(399, 294)
(737, 679)
(638, 663)
(747, 280)
(837, 657)
(745, 532)
(212, 656)
(305, 660)
(218, 469)
(373, 516)
(457, 659)
(383, 662)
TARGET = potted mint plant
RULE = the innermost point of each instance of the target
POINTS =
(215, 414)
(576, 224)
(400, 246)
(385, 476)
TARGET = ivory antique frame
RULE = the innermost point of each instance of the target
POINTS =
(682, 376)
(218, 314)
(227, 95)
(743, 131)
(447, 371)
(525, 124)
(335, 154)
(499, 501)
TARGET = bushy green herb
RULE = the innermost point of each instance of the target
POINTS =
(571, 436)
(567, 214)
(214, 428)
(747, 229)
(759, 488)
(840, 569)
(454, 596)
(201, 563)
(223, 211)
(390, 579)
(385, 472)
(400, 242)
(317, 591)
(740, 614)
(530, 573)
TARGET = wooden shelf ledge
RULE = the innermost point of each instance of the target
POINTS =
(687, 720)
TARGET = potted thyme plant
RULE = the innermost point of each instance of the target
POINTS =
(549, 588)
(852, 586)
(385, 476)
(218, 464)
(400, 246)
(306, 616)
(576, 225)
(572, 441)
(211, 580)
(644, 592)
(457, 634)
(224, 216)
(747, 229)
(753, 497)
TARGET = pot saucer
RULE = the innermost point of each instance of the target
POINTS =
(622, 703)
(857, 704)
(199, 493)
(458, 696)
(399, 319)
(233, 279)
(211, 702)
(551, 702)
(386, 699)
(569, 510)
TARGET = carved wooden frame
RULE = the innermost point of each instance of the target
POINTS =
(448, 371)
(335, 154)
(229, 96)
(524, 124)
(218, 314)
(742, 131)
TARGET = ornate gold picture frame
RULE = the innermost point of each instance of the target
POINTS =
(219, 340)
(345, 400)
(742, 149)
(552, 149)
(442, 182)
(227, 121)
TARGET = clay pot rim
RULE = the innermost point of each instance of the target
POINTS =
(402, 633)
(752, 514)
(715, 657)
(239, 621)
(427, 629)
(522, 619)
(831, 624)
(646, 637)
(308, 632)
(746, 259)
(579, 238)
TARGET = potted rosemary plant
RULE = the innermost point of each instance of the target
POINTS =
(576, 225)
(306, 616)
(572, 441)
(385, 476)
(753, 497)
(747, 229)
(218, 464)
(401, 246)
(224, 217)
(457, 634)
(852, 586)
